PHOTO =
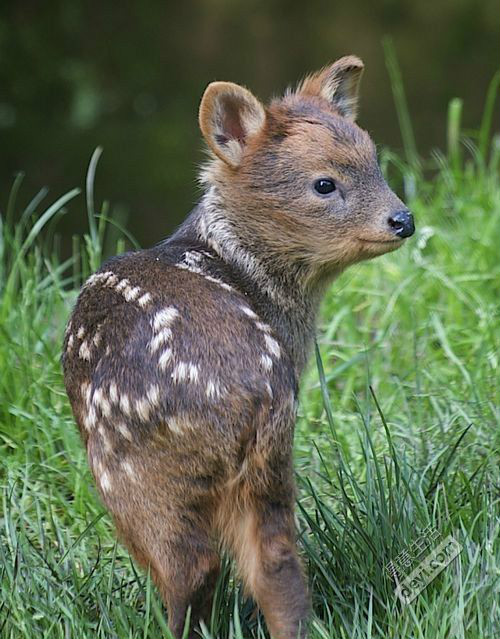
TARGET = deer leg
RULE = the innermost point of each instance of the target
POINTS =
(183, 564)
(263, 541)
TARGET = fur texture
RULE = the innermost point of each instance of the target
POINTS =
(182, 362)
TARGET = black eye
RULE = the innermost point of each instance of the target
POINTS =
(324, 186)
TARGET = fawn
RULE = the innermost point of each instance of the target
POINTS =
(182, 361)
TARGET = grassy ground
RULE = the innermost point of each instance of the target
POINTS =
(398, 439)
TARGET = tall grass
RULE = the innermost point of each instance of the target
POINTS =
(398, 423)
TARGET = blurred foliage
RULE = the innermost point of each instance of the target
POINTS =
(129, 76)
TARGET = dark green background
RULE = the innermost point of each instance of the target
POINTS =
(129, 76)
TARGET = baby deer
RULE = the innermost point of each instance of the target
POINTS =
(182, 361)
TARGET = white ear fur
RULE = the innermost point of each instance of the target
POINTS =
(339, 84)
(229, 115)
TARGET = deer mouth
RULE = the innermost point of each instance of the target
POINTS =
(394, 242)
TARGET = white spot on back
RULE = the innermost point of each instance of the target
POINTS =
(265, 328)
(193, 372)
(267, 362)
(272, 346)
(165, 317)
(99, 277)
(123, 429)
(144, 300)
(191, 262)
(269, 390)
(185, 371)
(92, 280)
(130, 470)
(177, 425)
(96, 463)
(81, 332)
(159, 339)
(192, 258)
(90, 419)
(105, 481)
(190, 268)
(85, 389)
(102, 402)
(213, 389)
(219, 282)
(249, 312)
(153, 394)
(97, 396)
(84, 351)
(164, 358)
(122, 285)
(97, 338)
(105, 440)
(125, 403)
(71, 340)
(130, 294)
(113, 393)
(111, 280)
(142, 408)
(180, 372)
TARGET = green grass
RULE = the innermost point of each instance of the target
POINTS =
(399, 430)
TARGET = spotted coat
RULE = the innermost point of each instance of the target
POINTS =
(181, 362)
(163, 345)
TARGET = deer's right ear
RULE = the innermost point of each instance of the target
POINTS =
(229, 115)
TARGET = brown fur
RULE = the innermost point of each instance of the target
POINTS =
(182, 362)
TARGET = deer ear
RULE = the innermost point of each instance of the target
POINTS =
(229, 116)
(339, 84)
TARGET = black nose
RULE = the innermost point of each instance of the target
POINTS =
(402, 223)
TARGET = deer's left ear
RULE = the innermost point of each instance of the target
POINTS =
(229, 116)
(337, 83)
